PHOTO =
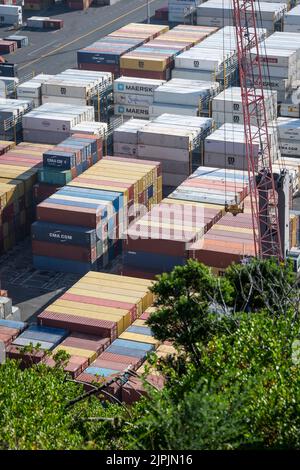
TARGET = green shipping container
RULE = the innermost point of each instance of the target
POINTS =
(53, 176)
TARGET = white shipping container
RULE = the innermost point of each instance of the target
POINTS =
(63, 99)
(134, 100)
(136, 86)
(43, 136)
(126, 149)
(166, 136)
(131, 110)
(288, 147)
(288, 128)
(128, 132)
(29, 89)
(157, 109)
(220, 160)
(165, 153)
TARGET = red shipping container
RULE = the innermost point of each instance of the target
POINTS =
(73, 252)
(89, 342)
(103, 302)
(92, 326)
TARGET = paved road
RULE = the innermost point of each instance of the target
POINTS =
(54, 51)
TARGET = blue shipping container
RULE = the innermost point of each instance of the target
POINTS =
(66, 234)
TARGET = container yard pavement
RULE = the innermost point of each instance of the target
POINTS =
(32, 290)
(53, 51)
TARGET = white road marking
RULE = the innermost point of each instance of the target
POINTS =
(46, 45)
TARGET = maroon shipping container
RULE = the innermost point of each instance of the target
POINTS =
(165, 75)
(114, 69)
(73, 252)
(27, 359)
(53, 24)
(69, 215)
(119, 358)
(113, 389)
(42, 191)
(118, 366)
(134, 390)
(79, 4)
(13, 332)
(6, 338)
(90, 342)
(7, 47)
(91, 326)
(134, 272)
(75, 365)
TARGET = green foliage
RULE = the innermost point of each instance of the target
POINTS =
(183, 298)
(245, 394)
(33, 413)
(262, 284)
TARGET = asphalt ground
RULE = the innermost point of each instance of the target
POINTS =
(54, 51)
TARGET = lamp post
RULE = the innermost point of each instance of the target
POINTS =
(148, 12)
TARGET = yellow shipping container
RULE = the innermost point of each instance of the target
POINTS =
(142, 62)
(130, 280)
(88, 354)
(96, 308)
(113, 296)
(139, 338)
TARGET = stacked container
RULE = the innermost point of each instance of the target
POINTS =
(80, 87)
(82, 349)
(37, 4)
(66, 161)
(51, 123)
(80, 226)
(21, 41)
(32, 89)
(289, 137)
(280, 55)
(79, 4)
(99, 304)
(7, 47)
(10, 330)
(129, 351)
(213, 186)
(180, 9)
(8, 86)
(181, 96)
(227, 106)
(176, 140)
(220, 13)
(156, 58)
(11, 14)
(215, 58)
(18, 174)
(104, 55)
(227, 242)
(69, 159)
(292, 20)
(44, 337)
(134, 96)
(11, 113)
(44, 22)
(226, 147)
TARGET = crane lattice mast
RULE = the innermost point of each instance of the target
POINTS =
(262, 189)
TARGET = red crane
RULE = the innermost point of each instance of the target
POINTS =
(262, 186)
